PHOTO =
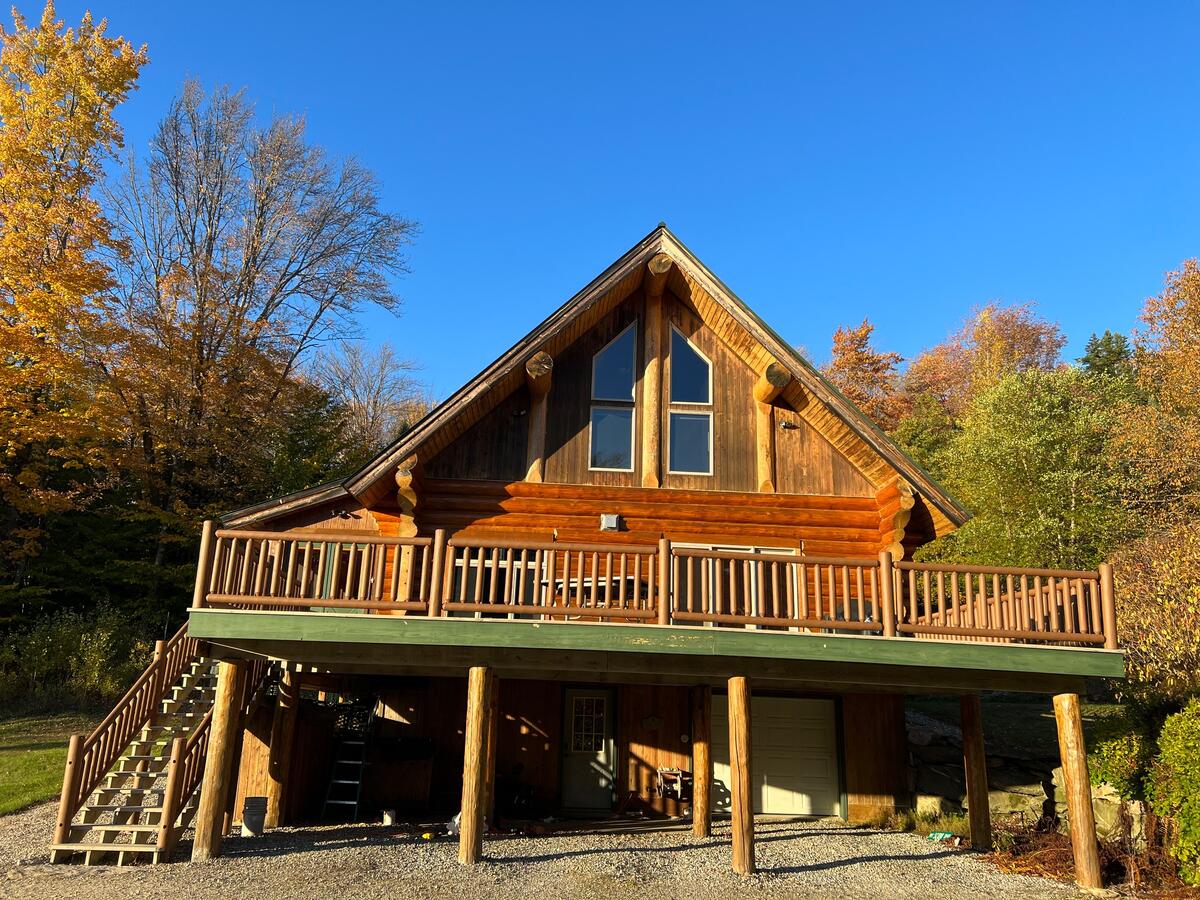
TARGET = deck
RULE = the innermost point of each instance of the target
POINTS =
(624, 610)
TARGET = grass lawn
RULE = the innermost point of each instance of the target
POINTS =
(33, 751)
(1016, 727)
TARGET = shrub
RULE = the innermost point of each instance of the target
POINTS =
(70, 660)
(1120, 754)
(1174, 786)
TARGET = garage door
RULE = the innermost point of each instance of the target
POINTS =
(794, 756)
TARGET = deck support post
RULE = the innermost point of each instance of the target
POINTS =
(702, 770)
(975, 768)
(279, 754)
(1079, 790)
(742, 806)
(224, 736)
(470, 835)
(493, 723)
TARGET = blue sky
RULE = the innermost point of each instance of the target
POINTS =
(828, 161)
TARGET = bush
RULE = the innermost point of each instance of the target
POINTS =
(70, 661)
(1174, 786)
(1120, 754)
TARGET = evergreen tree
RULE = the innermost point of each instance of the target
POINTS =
(1107, 354)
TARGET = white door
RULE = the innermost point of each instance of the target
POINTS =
(588, 752)
(793, 747)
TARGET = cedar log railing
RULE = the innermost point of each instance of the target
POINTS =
(90, 758)
(663, 584)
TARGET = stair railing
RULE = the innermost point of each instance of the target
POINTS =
(183, 776)
(90, 758)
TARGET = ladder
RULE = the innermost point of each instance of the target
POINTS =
(344, 793)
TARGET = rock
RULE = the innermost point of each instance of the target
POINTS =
(932, 805)
(941, 781)
(937, 753)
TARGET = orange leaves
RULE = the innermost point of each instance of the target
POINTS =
(866, 376)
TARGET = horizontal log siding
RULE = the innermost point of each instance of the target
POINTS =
(829, 526)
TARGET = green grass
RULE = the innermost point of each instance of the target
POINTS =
(1017, 727)
(33, 751)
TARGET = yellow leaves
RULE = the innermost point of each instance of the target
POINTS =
(58, 89)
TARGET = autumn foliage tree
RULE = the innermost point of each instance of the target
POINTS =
(866, 375)
(58, 89)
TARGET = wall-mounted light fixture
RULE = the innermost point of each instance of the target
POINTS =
(610, 522)
(785, 425)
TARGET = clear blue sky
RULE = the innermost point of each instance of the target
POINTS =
(903, 161)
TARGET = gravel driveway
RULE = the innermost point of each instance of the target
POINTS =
(812, 859)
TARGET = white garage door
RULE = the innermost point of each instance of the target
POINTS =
(793, 745)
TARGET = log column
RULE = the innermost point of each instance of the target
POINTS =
(653, 353)
(537, 377)
(279, 754)
(702, 771)
(975, 766)
(470, 836)
(224, 736)
(1079, 790)
(489, 780)
(742, 818)
(768, 387)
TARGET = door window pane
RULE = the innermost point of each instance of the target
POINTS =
(691, 443)
(612, 368)
(612, 438)
(587, 724)
(689, 372)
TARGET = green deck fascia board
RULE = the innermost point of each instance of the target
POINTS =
(230, 626)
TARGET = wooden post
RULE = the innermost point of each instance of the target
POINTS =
(537, 376)
(1079, 790)
(664, 581)
(887, 596)
(203, 564)
(470, 835)
(702, 771)
(975, 767)
(66, 802)
(279, 753)
(1108, 607)
(224, 734)
(438, 562)
(768, 387)
(653, 352)
(171, 798)
(489, 781)
(742, 811)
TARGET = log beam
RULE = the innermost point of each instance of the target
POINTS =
(538, 369)
(654, 351)
(742, 805)
(702, 770)
(224, 734)
(975, 767)
(470, 836)
(489, 780)
(766, 390)
(279, 754)
(406, 497)
(1079, 790)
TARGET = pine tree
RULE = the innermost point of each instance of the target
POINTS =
(1107, 354)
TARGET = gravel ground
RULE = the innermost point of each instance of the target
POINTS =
(811, 859)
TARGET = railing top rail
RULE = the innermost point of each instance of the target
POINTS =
(328, 537)
(701, 553)
(508, 544)
(148, 673)
(995, 570)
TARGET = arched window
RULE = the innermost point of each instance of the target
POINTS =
(611, 431)
(690, 420)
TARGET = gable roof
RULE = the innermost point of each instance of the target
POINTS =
(838, 419)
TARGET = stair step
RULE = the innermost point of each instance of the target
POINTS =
(105, 848)
(117, 807)
(341, 803)
(343, 781)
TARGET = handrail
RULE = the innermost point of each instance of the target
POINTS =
(89, 758)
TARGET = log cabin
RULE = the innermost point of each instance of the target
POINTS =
(648, 562)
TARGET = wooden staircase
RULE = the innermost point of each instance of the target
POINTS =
(131, 787)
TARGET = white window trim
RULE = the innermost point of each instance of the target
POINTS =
(632, 368)
(671, 413)
(632, 435)
(704, 356)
